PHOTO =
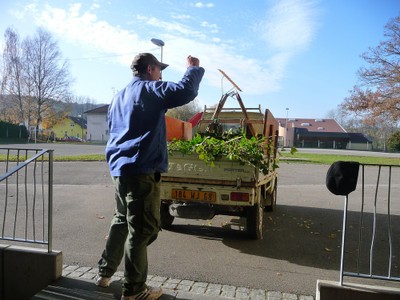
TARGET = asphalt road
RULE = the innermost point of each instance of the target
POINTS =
(289, 259)
(301, 244)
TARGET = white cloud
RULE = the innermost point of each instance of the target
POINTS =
(287, 28)
(180, 16)
(95, 6)
(289, 25)
(87, 30)
(213, 27)
(173, 27)
(203, 5)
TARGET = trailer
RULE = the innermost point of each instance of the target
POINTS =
(196, 190)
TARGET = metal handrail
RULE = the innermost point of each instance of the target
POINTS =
(30, 204)
(371, 238)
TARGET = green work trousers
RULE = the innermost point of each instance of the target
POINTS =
(135, 225)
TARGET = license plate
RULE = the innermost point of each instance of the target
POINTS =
(193, 195)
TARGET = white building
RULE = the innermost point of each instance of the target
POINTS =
(97, 126)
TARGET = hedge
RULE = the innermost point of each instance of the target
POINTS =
(12, 131)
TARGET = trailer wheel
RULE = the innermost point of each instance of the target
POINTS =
(271, 197)
(255, 221)
(165, 217)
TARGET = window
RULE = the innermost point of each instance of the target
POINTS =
(305, 124)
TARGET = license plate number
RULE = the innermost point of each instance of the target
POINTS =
(193, 195)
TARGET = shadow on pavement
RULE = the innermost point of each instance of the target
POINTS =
(69, 288)
(306, 236)
(81, 289)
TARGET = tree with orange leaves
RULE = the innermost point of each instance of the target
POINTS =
(377, 96)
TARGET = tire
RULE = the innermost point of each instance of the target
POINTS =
(255, 221)
(165, 217)
(271, 197)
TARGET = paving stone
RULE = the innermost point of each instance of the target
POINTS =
(75, 274)
(71, 268)
(200, 284)
(214, 286)
(203, 289)
(93, 271)
(170, 286)
(302, 297)
(243, 289)
(228, 288)
(159, 278)
(187, 282)
(239, 295)
(198, 289)
(65, 273)
(271, 295)
(258, 294)
(83, 269)
(155, 283)
(183, 287)
(213, 292)
(173, 281)
(88, 275)
(242, 293)
(228, 294)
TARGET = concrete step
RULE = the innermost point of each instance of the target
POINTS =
(83, 289)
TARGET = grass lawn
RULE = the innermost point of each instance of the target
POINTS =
(298, 157)
(328, 159)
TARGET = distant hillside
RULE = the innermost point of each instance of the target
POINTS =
(74, 109)
(80, 109)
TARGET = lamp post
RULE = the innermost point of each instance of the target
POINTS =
(81, 119)
(286, 127)
(160, 44)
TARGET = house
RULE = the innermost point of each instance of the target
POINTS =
(73, 127)
(98, 126)
(359, 141)
(319, 133)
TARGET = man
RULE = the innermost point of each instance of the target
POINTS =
(137, 153)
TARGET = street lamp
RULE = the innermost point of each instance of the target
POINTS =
(160, 44)
(286, 126)
(81, 119)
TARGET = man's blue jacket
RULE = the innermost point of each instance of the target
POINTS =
(136, 120)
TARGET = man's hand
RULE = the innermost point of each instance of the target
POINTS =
(192, 61)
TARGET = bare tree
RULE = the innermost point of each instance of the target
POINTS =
(377, 95)
(184, 112)
(339, 115)
(12, 79)
(47, 77)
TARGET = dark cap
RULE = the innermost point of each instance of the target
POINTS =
(142, 60)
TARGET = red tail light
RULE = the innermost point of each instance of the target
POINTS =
(236, 196)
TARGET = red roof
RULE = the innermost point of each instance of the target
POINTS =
(195, 119)
(312, 125)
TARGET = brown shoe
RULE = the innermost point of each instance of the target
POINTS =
(150, 293)
(102, 281)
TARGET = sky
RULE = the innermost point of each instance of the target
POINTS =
(297, 58)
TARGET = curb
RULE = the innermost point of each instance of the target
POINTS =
(188, 289)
